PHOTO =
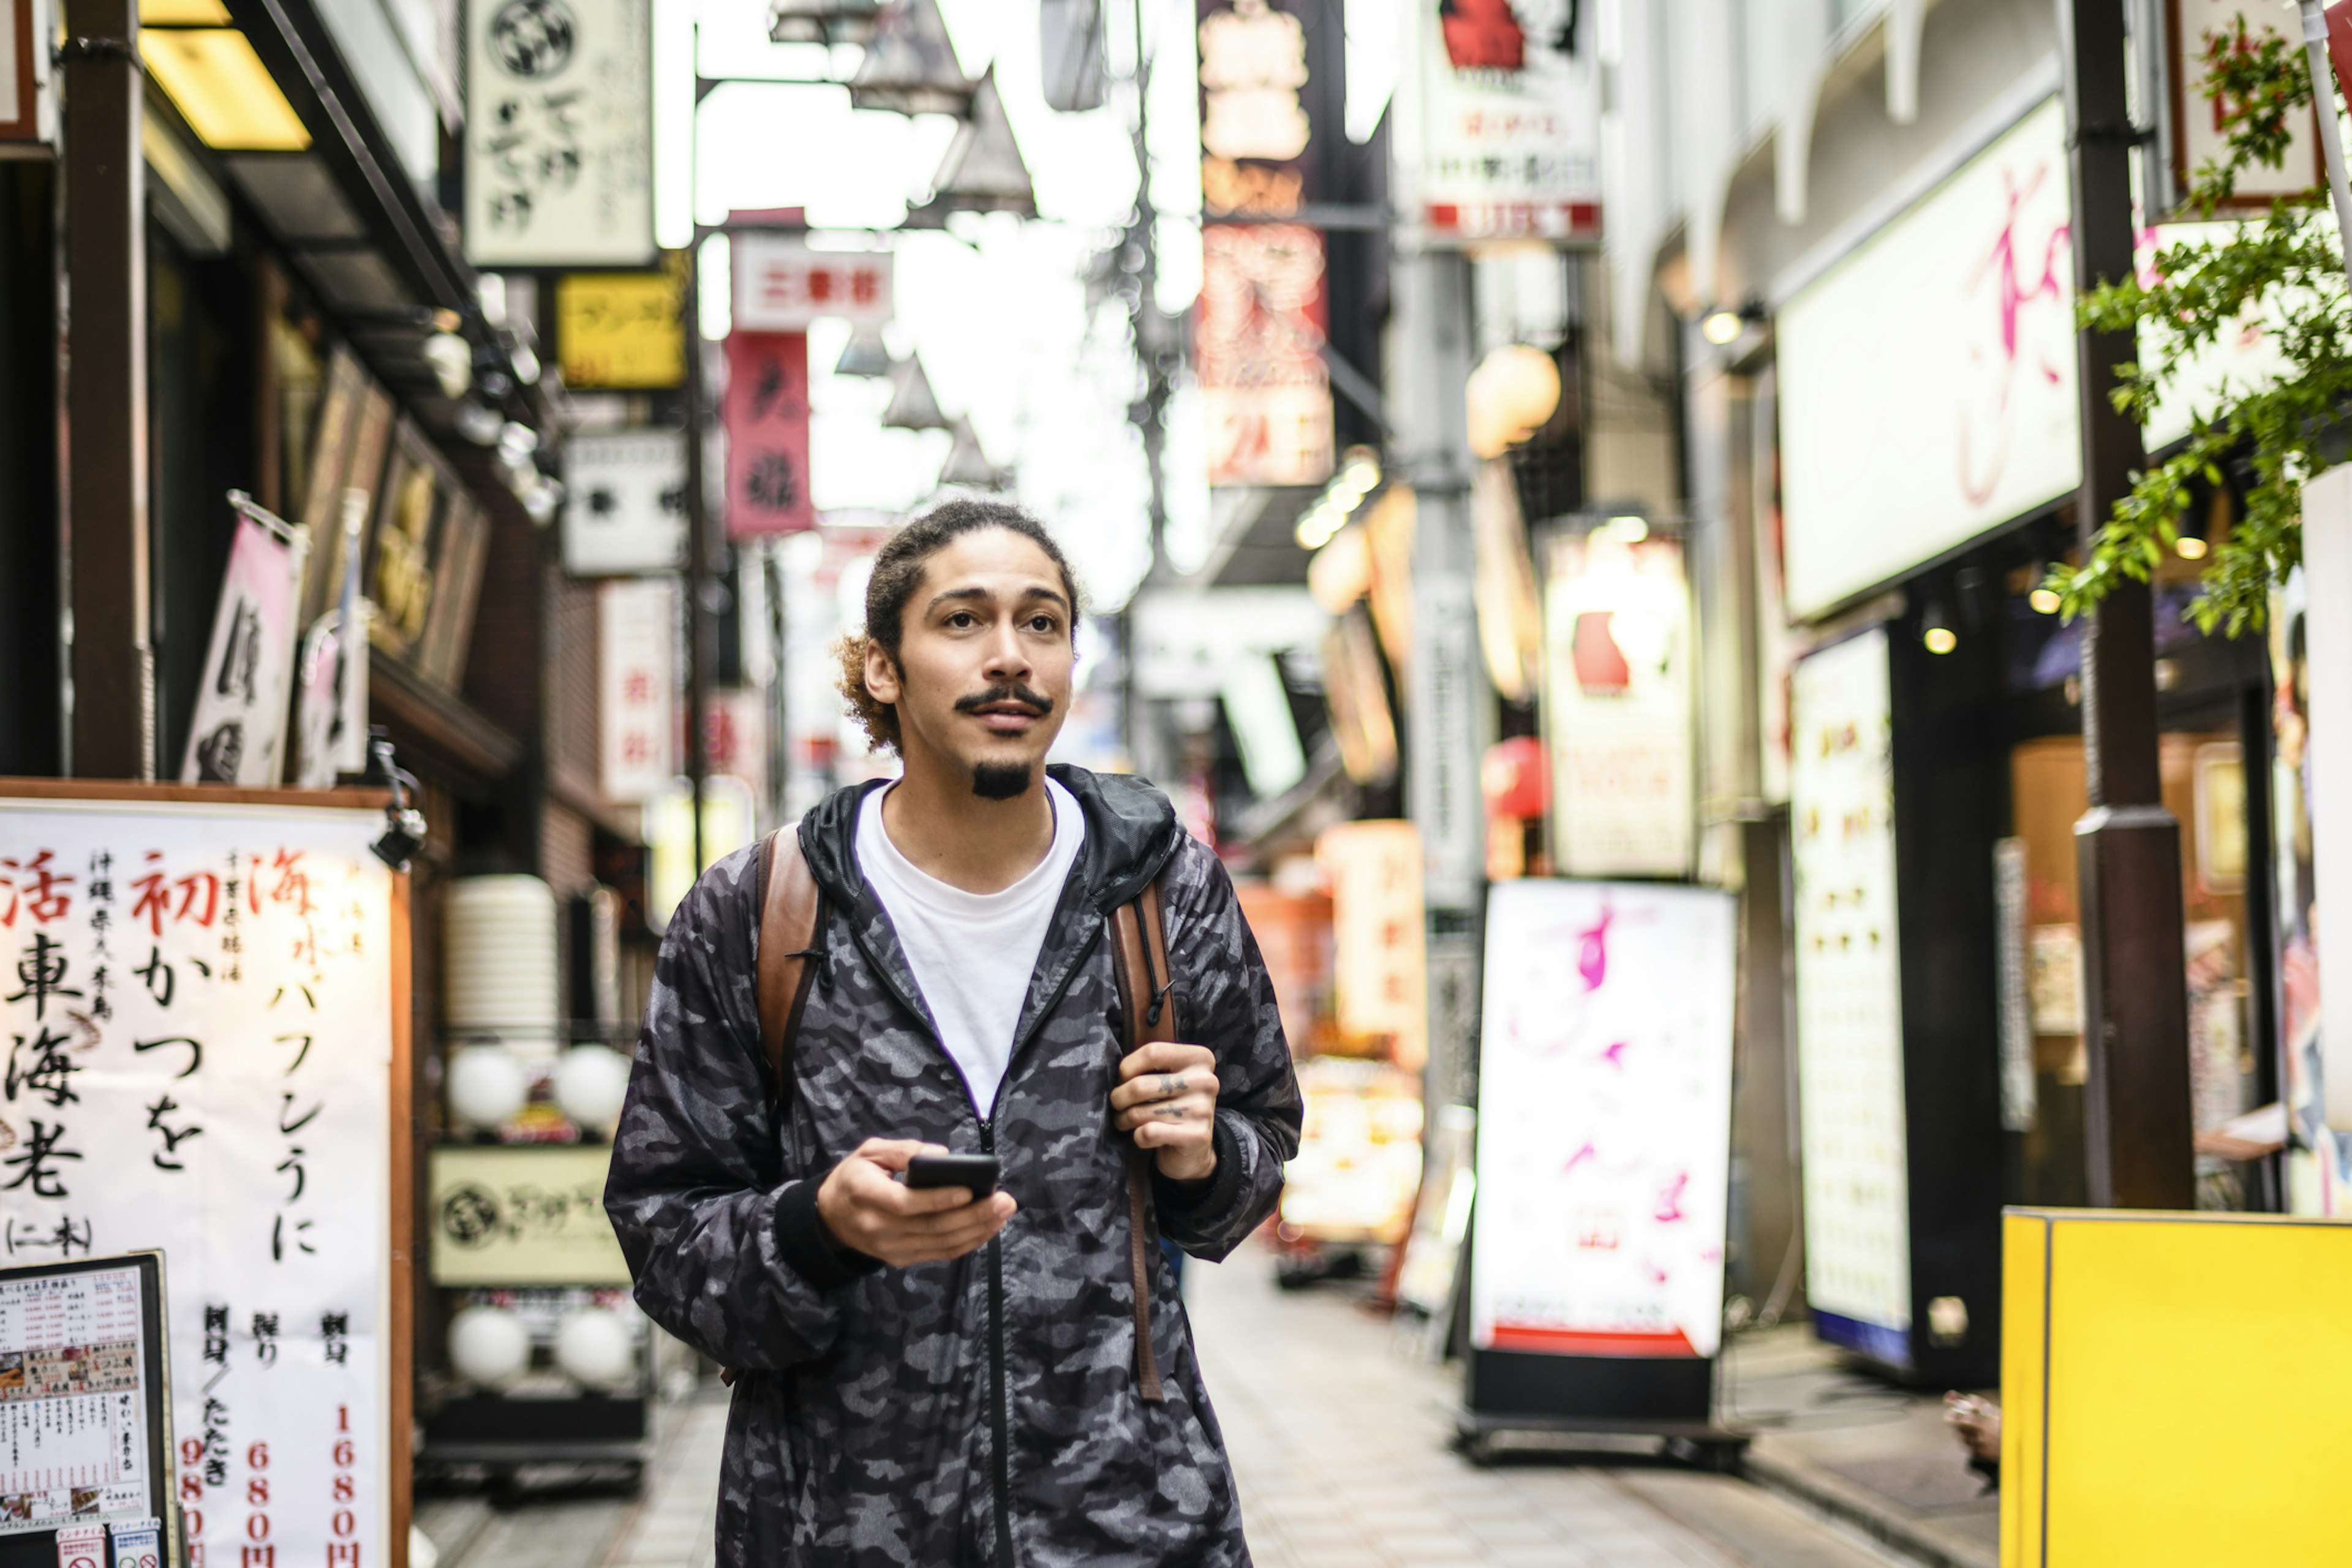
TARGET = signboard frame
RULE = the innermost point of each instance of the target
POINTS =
(1605, 1359)
(399, 1286)
(37, 1548)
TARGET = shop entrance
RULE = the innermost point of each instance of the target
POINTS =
(2204, 786)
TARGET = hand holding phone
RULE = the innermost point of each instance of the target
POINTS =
(867, 1208)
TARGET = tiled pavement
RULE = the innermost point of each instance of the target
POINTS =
(1338, 1439)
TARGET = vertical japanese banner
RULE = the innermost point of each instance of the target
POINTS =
(202, 1015)
(766, 415)
(559, 133)
(239, 733)
(1258, 341)
(636, 688)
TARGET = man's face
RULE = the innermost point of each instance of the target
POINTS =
(982, 683)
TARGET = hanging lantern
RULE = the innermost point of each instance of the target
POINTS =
(820, 21)
(968, 463)
(983, 170)
(864, 354)
(1514, 390)
(910, 65)
(912, 406)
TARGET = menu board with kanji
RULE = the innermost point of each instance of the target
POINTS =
(73, 1441)
(197, 1007)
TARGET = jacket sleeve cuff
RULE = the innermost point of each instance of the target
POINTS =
(807, 1247)
(1212, 1194)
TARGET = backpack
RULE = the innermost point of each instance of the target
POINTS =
(790, 901)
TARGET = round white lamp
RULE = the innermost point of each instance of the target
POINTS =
(590, 1083)
(594, 1346)
(486, 1085)
(490, 1346)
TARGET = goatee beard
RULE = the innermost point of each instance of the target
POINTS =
(999, 781)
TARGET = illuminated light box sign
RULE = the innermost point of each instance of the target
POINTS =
(1604, 1120)
(203, 1025)
(1849, 1000)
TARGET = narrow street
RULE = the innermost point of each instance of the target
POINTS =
(1339, 1438)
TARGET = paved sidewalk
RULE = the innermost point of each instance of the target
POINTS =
(1339, 1438)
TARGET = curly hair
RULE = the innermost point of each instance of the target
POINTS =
(898, 570)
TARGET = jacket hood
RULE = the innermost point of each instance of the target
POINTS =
(1131, 830)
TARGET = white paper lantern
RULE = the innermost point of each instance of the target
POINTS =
(594, 1346)
(490, 1346)
(486, 1085)
(591, 1082)
(500, 960)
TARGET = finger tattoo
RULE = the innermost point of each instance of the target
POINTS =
(1173, 1113)
(1171, 1084)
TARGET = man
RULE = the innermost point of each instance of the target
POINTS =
(924, 1380)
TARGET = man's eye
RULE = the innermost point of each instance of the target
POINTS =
(961, 618)
(1041, 623)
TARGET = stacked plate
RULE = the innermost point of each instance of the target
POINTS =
(500, 943)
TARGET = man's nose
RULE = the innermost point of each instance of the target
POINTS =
(1007, 658)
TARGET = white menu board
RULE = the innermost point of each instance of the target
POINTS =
(1849, 1000)
(73, 1401)
(1604, 1119)
(199, 1002)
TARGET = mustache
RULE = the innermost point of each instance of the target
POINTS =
(1010, 692)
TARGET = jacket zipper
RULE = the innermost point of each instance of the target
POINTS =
(1000, 1400)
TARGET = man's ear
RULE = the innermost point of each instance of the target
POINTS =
(881, 673)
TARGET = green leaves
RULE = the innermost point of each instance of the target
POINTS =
(2284, 272)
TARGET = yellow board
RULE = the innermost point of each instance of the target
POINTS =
(2172, 1388)
(522, 1215)
(621, 331)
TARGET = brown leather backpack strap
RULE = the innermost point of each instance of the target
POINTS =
(788, 912)
(1140, 945)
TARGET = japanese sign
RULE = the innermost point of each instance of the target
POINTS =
(637, 710)
(559, 133)
(1254, 126)
(1258, 341)
(1850, 1001)
(523, 1217)
(781, 285)
(1617, 706)
(1509, 112)
(621, 331)
(198, 1012)
(766, 416)
(82, 1427)
(239, 733)
(1377, 918)
(625, 511)
(1604, 1119)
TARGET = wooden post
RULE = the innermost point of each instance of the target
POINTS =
(112, 732)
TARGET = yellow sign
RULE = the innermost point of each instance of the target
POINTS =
(621, 330)
(526, 1215)
(2170, 1386)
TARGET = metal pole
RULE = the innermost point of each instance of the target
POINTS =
(2323, 97)
(106, 545)
(697, 510)
(2136, 998)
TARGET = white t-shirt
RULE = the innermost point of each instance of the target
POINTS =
(972, 953)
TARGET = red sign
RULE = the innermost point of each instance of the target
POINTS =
(767, 417)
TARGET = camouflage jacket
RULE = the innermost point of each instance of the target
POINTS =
(982, 1411)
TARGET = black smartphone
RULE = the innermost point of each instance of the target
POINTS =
(976, 1172)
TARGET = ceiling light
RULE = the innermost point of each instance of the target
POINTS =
(2188, 547)
(1629, 530)
(221, 88)
(1935, 631)
(2045, 600)
(1722, 327)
